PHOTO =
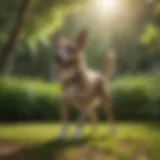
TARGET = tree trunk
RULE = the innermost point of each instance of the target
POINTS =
(8, 47)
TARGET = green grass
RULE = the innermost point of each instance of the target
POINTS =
(38, 140)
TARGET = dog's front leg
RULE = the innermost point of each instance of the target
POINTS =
(64, 119)
(80, 124)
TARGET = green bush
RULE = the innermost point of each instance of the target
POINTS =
(134, 98)
(28, 100)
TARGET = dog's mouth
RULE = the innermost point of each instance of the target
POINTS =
(65, 64)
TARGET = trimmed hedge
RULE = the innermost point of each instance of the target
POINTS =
(134, 98)
(22, 99)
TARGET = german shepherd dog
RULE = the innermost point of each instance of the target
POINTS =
(81, 87)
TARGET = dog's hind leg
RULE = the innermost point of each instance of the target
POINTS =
(93, 119)
(107, 104)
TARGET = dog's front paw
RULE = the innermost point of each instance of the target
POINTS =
(76, 136)
(63, 133)
(77, 133)
(61, 136)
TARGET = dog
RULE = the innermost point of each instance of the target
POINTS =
(81, 87)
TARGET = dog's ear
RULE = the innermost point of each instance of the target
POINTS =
(81, 38)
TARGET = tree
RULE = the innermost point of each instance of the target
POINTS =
(151, 35)
(8, 47)
(44, 17)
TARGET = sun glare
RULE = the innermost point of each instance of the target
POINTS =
(108, 6)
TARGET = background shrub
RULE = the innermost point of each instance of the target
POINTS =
(134, 98)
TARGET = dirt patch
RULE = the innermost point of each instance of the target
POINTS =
(140, 152)
(9, 148)
(125, 149)
(94, 153)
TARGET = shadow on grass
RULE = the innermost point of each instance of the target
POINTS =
(47, 151)
(83, 148)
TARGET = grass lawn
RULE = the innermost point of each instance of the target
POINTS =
(36, 141)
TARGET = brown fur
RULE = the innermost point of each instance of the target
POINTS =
(81, 87)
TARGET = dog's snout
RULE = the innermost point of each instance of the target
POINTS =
(58, 58)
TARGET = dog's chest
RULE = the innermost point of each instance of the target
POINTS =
(75, 93)
(85, 93)
(81, 96)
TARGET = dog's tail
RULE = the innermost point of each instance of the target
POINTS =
(109, 64)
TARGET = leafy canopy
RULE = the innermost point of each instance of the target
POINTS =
(43, 17)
